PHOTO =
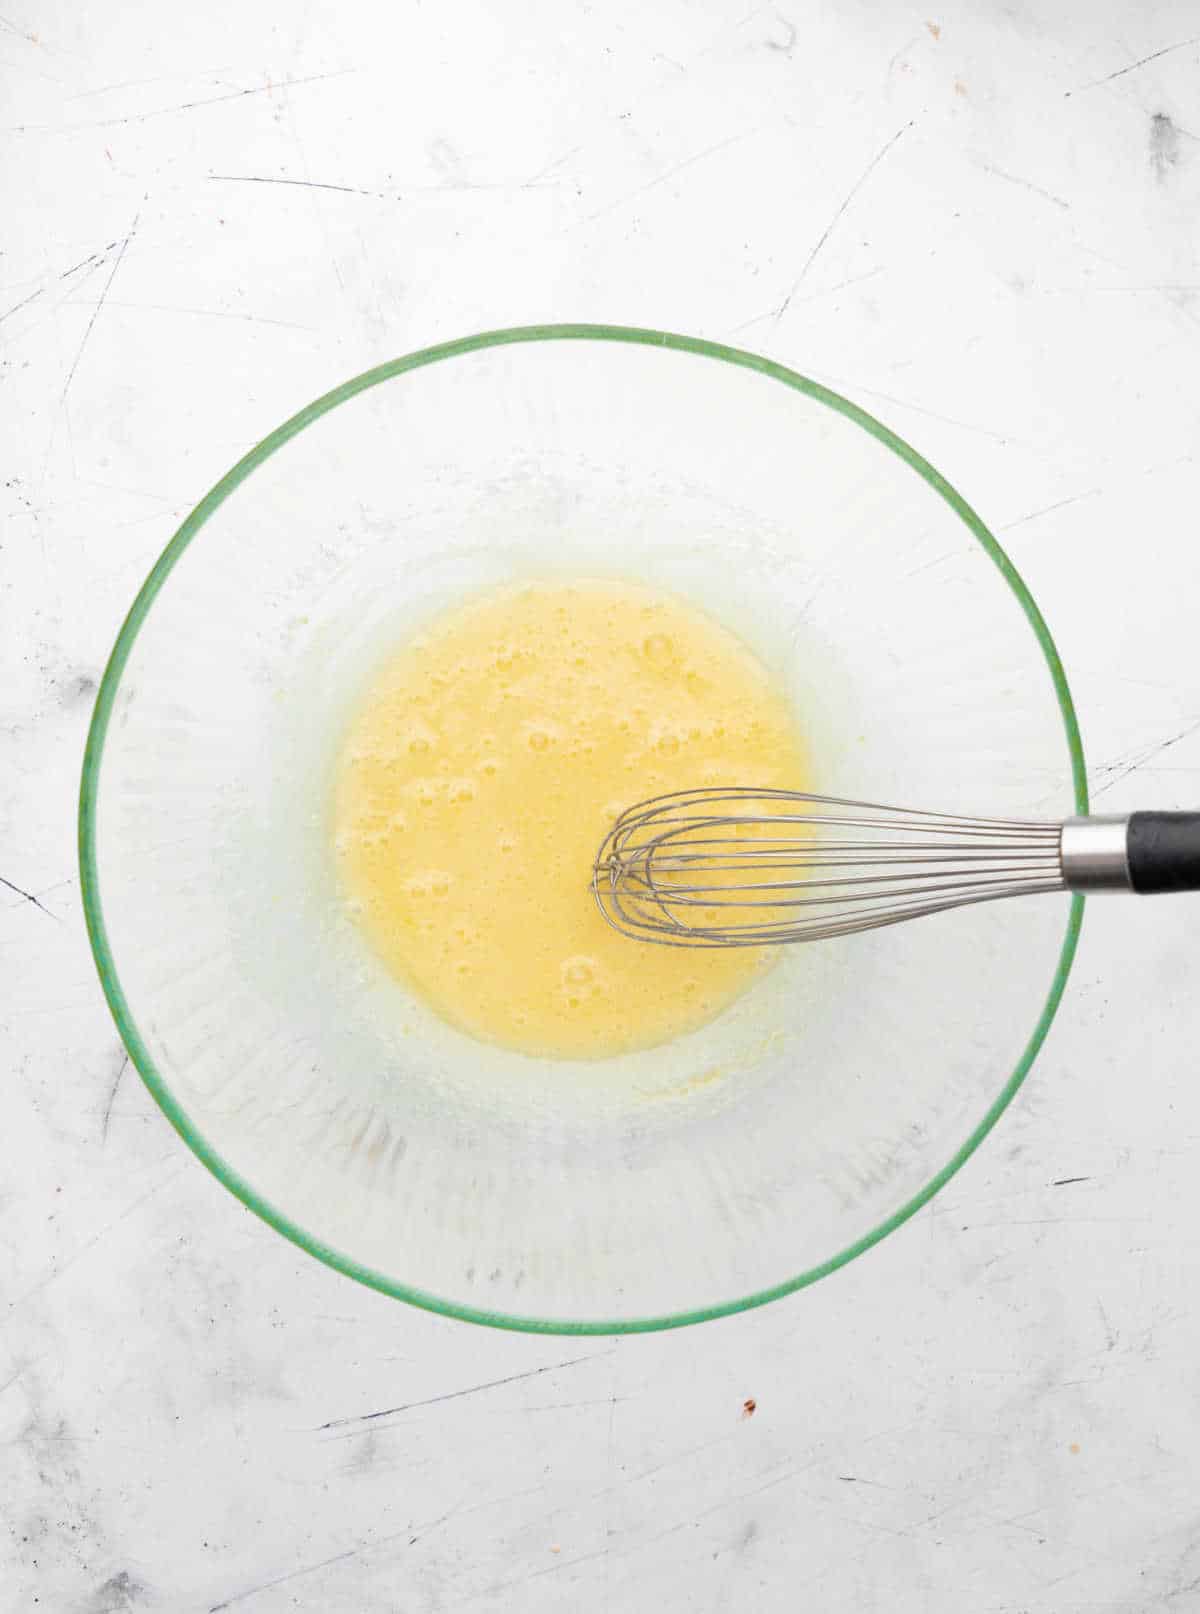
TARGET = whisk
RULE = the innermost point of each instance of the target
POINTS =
(748, 868)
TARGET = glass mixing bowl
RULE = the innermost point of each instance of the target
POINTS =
(659, 1188)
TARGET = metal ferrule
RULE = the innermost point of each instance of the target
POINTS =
(1094, 853)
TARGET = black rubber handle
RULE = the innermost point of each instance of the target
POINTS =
(1164, 851)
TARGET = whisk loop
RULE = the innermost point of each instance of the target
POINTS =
(746, 867)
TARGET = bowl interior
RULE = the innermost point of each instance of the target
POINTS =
(656, 1187)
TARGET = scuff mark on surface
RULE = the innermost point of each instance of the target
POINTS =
(12, 1379)
(787, 45)
(199, 313)
(19, 33)
(119, 1594)
(1124, 766)
(96, 311)
(305, 184)
(25, 301)
(829, 291)
(1132, 66)
(57, 1272)
(832, 225)
(670, 173)
(852, 388)
(29, 897)
(1025, 184)
(112, 1095)
(350, 1424)
(184, 106)
(92, 257)
(1110, 1333)
(78, 689)
(398, 194)
(1164, 146)
(555, 162)
(1045, 509)
(309, 1569)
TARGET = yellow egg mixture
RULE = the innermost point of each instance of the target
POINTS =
(480, 773)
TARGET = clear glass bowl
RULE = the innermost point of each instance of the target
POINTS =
(726, 1168)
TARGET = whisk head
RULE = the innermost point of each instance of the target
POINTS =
(750, 868)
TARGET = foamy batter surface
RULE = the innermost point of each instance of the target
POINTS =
(483, 767)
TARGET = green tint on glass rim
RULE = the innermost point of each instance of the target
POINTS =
(93, 896)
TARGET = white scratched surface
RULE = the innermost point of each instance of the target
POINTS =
(980, 222)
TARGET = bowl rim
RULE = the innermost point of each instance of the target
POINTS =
(102, 713)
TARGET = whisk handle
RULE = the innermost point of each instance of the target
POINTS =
(1164, 851)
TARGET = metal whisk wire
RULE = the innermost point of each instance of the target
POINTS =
(748, 867)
